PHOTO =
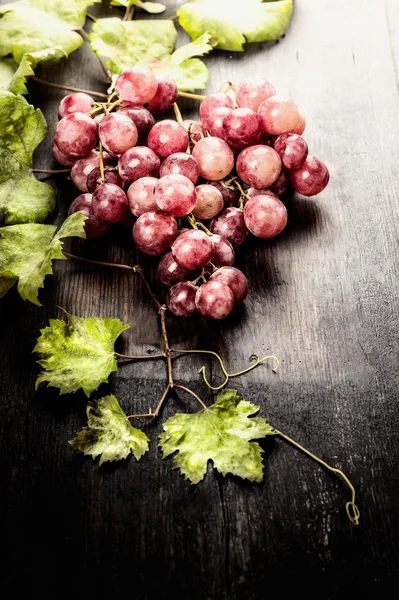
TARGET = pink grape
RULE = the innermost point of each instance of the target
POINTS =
(292, 150)
(77, 102)
(154, 231)
(236, 281)
(63, 159)
(214, 101)
(250, 93)
(265, 216)
(94, 179)
(170, 272)
(84, 166)
(175, 195)
(192, 249)
(311, 178)
(109, 203)
(215, 158)
(242, 128)
(165, 96)
(141, 117)
(181, 163)
(181, 299)
(259, 166)
(209, 202)
(137, 85)
(141, 196)
(215, 120)
(214, 300)
(94, 227)
(223, 251)
(230, 224)
(281, 184)
(167, 137)
(76, 134)
(117, 133)
(279, 114)
(230, 194)
(195, 130)
(138, 162)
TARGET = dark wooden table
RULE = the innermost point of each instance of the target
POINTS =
(323, 297)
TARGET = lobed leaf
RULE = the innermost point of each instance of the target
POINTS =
(72, 12)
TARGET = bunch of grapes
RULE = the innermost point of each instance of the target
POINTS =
(194, 189)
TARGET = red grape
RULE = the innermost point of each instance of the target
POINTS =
(230, 224)
(94, 227)
(214, 101)
(77, 102)
(136, 85)
(215, 158)
(109, 203)
(76, 134)
(141, 196)
(223, 251)
(214, 300)
(279, 114)
(94, 179)
(167, 137)
(154, 231)
(175, 195)
(63, 159)
(215, 120)
(117, 133)
(84, 166)
(138, 162)
(209, 202)
(250, 93)
(181, 163)
(141, 117)
(170, 272)
(259, 166)
(242, 128)
(165, 96)
(265, 216)
(181, 299)
(311, 178)
(192, 249)
(292, 150)
(236, 281)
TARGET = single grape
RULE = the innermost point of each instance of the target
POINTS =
(259, 166)
(84, 166)
(311, 178)
(250, 93)
(181, 163)
(230, 194)
(136, 85)
(94, 179)
(94, 227)
(109, 203)
(175, 195)
(242, 128)
(214, 300)
(279, 114)
(165, 96)
(63, 159)
(141, 196)
(77, 102)
(236, 281)
(170, 272)
(215, 120)
(138, 162)
(214, 101)
(265, 216)
(209, 202)
(292, 150)
(117, 133)
(215, 158)
(167, 137)
(230, 224)
(223, 251)
(141, 117)
(76, 134)
(281, 184)
(181, 299)
(154, 231)
(300, 128)
(192, 249)
(194, 129)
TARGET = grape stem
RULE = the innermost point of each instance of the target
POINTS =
(351, 509)
(128, 13)
(102, 172)
(50, 171)
(178, 116)
(192, 96)
(144, 357)
(69, 88)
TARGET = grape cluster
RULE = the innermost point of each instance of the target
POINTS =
(228, 170)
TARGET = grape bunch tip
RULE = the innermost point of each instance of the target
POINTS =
(222, 177)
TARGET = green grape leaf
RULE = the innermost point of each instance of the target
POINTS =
(154, 8)
(79, 353)
(13, 76)
(25, 29)
(71, 11)
(23, 199)
(8, 68)
(27, 252)
(128, 43)
(222, 433)
(232, 23)
(109, 433)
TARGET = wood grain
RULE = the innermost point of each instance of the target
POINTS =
(323, 297)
